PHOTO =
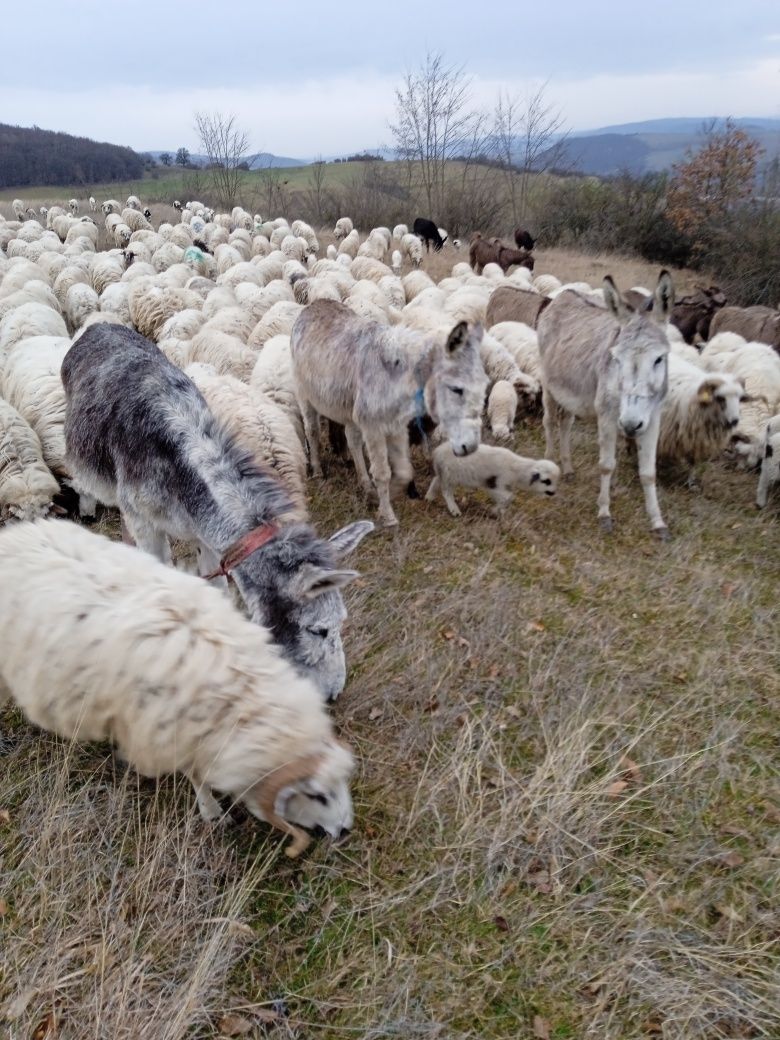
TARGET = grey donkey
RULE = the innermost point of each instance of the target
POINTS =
(374, 379)
(612, 365)
(140, 436)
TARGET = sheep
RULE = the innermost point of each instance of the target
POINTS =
(273, 375)
(176, 658)
(140, 434)
(121, 234)
(349, 245)
(27, 487)
(19, 209)
(502, 409)
(522, 343)
(411, 248)
(399, 231)
(396, 262)
(698, 414)
(331, 252)
(116, 299)
(500, 365)
(92, 204)
(374, 247)
(260, 426)
(612, 364)
(227, 354)
(496, 470)
(107, 269)
(770, 462)
(81, 300)
(343, 228)
(151, 306)
(111, 206)
(135, 219)
(427, 232)
(182, 325)
(29, 319)
(415, 283)
(277, 320)
(31, 383)
(303, 230)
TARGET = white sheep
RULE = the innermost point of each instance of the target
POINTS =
(344, 227)
(349, 245)
(261, 426)
(522, 343)
(411, 248)
(179, 679)
(81, 301)
(399, 231)
(273, 375)
(27, 487)
(32, 383)
(92, 204)
(19, 209)
(397, 262)
(29, 319)
(278, 320)
(502, 409)
(496, 470)
(303, 230)
(151, 305)
(770, 462)
(227, 354)
(133, 202)
(416, 282)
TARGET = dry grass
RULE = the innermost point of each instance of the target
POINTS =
(565, 809)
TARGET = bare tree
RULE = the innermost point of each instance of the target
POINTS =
(528, 138)
(316, 190)
(226, 145)
(434, 124)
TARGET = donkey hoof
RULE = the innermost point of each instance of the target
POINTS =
(568, 477)
(387, 523)
(606, 524)
(662, 534)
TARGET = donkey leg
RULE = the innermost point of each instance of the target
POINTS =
(148, 537)
(566, 423)
(607, 445)
(400, 463)
(646, 449)
(311, 427)
(355, 443)
(550, 423)
(376, 445)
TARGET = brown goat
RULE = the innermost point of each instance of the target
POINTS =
(482, 251)
(508, 303)
(514, 257)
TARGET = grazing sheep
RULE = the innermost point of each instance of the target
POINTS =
(349, 245)
(546, 283)
(151, 305)
(80, 301)
(397, 261)
(31, 383)
(522, 342)
(699, 413)
(770, 462)
(227, 354)
(502, 409)
(273, 375)
(344, 227)
(303, 230)
(29, 319)
(496, 470)
(260, 426)
(610, 364)
(140, 436)
(179, 680)
(27, 487)
(399, 231)
(19, 209)
(374, 380)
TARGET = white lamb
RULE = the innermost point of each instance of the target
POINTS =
(496, 470)
(502, 409)
(770, 462)
(27, 487)
(261, 426)
(179, 679)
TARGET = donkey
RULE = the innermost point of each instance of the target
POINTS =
(374, 379)
(140, 436)
(611, 364)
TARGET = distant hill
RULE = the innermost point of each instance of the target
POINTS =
(654, 145)
(257, 161)
(29, 155)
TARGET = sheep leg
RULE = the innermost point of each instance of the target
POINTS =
(311, 428)
(646, 449)
(355, 445)
(209, 807)
(764, 483)
(449, 500)
(501, 498)
(607, 444)
(433, 490)
(376, 446)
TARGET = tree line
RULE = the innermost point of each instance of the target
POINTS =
(29, 155)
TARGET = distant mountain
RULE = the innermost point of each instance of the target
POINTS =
(654, 145)
(257, 161)
(29, 155)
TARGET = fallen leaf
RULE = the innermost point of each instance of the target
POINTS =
(46, 1028)
(234, 1025)
(447, 634)
(375, 713)
(631, 768)
(501, 923)
(268, 1015)
(732, 859)
(653, 1027)
(541, 1028)
(535, 626)
(3, 908)
(617, 787)
(5, 816)
(680, 677)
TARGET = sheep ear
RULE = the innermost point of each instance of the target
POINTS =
(663, 298)
(614, 301)
(706, 393)
(349, 538)
(314, 581)
(457, 337)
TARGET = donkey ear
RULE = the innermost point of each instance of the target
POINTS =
(614, 301)
(663, 298)
(312, 581)
(350, 537)
(457, 337)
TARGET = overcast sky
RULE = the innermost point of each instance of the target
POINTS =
(308, 77)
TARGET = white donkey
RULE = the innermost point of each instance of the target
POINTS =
(611, 364)
(375, 379)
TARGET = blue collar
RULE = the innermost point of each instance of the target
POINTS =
(419, 404)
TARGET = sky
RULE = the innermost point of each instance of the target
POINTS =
(318, 78)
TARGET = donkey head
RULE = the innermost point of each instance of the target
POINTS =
(293, 586)
(455, 392)
(641, 351)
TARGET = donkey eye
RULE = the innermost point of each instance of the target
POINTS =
(658, 360)
(321, 632)
(318, 798)
(457, 390)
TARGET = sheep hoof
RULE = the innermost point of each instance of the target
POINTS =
(606, 524)
(662, 534)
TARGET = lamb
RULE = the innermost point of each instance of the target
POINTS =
(770, 462)
(27, 487)
(92, 204)
(612, 364)
(344, 227)
(140, 435)
(502, 409)
(497, 470)
(698, 415)
(411, 248)
(260, 426)
(303, 230)
(176, 661)
(374, 379)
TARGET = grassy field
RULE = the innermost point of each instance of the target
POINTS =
(566, 805)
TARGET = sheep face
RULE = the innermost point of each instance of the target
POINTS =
(455, 393)
(721, 396)
(544, 478)
(321, 802)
